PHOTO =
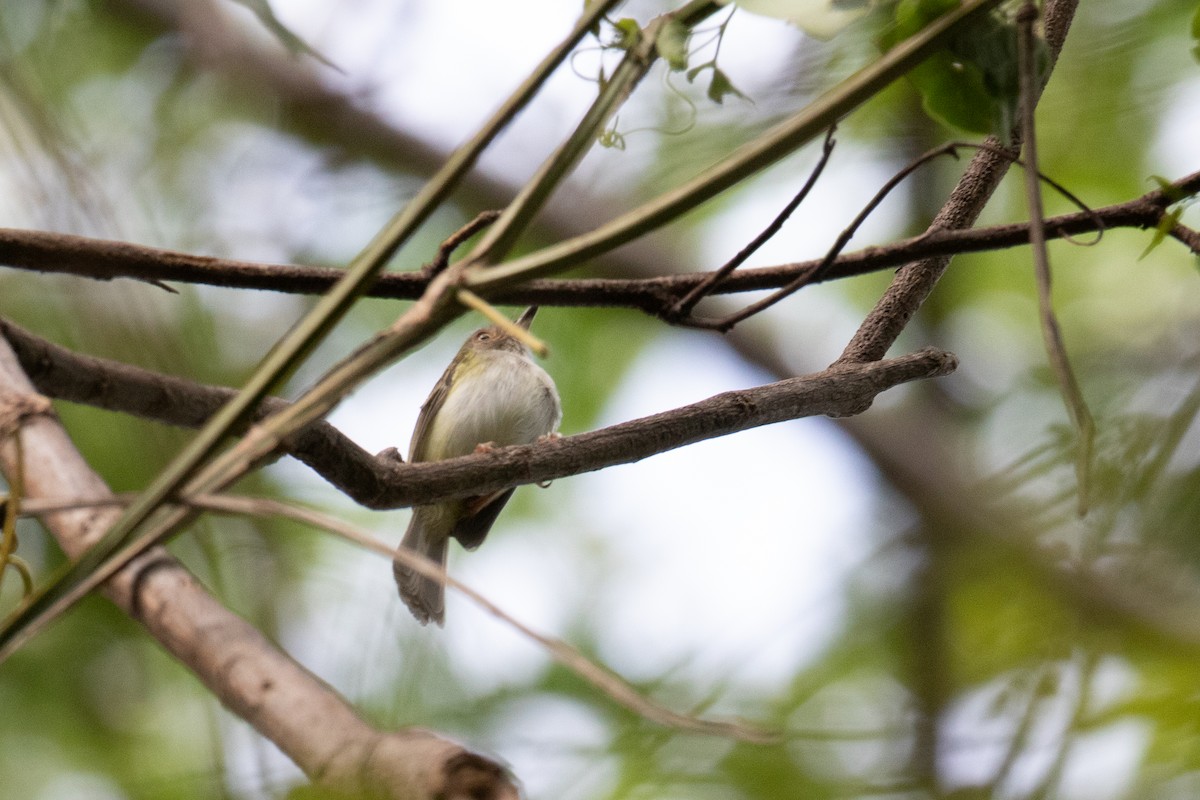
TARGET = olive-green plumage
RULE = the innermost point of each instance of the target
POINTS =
(491, 394)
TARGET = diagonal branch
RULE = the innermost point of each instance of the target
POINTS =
(914, 283)
(306, 718)
(63, 374)
(198, 467)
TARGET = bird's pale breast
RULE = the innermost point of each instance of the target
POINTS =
(506, 399)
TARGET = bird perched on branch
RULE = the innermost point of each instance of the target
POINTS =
(491, 395)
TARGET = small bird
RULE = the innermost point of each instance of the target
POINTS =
(491, 395)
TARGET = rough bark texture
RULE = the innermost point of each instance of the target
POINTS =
(385, 481)
(305, 717)
(912, 285)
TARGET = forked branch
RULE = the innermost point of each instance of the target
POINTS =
(43, 251)
(297, 711)
(384, 481)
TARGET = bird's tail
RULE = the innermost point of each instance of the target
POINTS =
(425, 597)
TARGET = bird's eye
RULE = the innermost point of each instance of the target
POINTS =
(483, 336)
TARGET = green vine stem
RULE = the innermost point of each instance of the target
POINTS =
(78, 578)
(501, 236)
(752, 157)
(187, 475)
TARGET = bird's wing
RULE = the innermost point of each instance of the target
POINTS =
(429, 410)
(473, 528)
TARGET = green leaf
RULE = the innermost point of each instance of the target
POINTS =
(672, 44)
(628, 33)
(1173, 192)
(953, 93)
(975, 84)
(1164, 226)
(911, 16)
(721, 87)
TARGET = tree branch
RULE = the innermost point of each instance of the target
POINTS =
(384, 481)
(1056, 348)
(837, 391)
(283, 701)
(103, 383)
(914, 283)
(42, 251)
(685, 306)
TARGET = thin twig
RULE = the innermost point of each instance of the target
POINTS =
(611, 684)
(819, 272)
(1056, 350)
(727, 322)
(608, 682)
(442, 259)
(100, 259)
(194, 467)
(913, 284)
(685, 305)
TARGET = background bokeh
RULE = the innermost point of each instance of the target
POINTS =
(889, 589)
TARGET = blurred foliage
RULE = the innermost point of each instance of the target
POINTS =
(973, 84)
(961, 632)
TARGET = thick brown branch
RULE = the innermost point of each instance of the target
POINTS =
(1187, 236)
(385, 482)
(282, 700)
(838, 391)
(97, 258)
(103, 383)
(914, 283)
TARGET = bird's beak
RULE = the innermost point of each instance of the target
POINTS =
(527, 317)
